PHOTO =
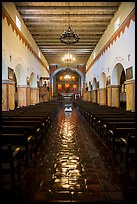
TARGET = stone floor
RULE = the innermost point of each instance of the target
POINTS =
(74, 166)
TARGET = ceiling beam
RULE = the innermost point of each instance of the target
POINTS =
(57, 23)
(58, 47)
(56, 40)
(63, 8)
(64, 50)
(29, 16)
(58, 43)
(47, 28)
(61, 20)
(60, 33)
(54, 36)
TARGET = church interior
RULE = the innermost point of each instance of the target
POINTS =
(68, 102)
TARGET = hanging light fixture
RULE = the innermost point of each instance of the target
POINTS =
(69, 37)
(68, 58)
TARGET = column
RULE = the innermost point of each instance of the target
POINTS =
(102, 96)
(28, 96)
(50, 90)
(83, 90)
(130, 95)
(22, 95)
(34, 95)
(115, 97)
(8, 95)
(94, 96)
(98, 95)
(109, 95)
(88, 96)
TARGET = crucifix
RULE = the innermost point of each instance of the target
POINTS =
(10, 58)
(129, 57)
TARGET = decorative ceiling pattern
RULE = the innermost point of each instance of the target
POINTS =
(46, 22)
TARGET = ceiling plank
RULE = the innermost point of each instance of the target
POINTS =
(46, 21)
(43, 8)
(29, 16)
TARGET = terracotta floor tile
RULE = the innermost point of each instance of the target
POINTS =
(73, 166)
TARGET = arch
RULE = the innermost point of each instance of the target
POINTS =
(90, 86)
(122, 90)
(33, 80)
(94, 84)
(102, 81)
(16, 91)
(116, 74)
(61, 69)
(20, 75)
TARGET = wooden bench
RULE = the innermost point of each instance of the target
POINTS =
(20, 122)
(98, 121)
(110, 124)
(10, 165)
(115, 135)
(127, 152)
(24, 141)
(27, 130)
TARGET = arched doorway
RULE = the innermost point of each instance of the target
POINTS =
(94, 90)
(67, 83)
(21, 84)
(33, 90)
(102, 89)
(122, 90)
(16, 91)
(117, 82)
(53, 76)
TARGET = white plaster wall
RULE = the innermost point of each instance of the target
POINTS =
(11, 8)
(13, 46)
(117, 53)
(123, 11)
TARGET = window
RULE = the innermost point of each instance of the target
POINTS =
(67, 86)
(74, 87)
(18, 23)
(61, 78)
(73, 78)
(39, 54)
(94, 55)
(117, 24)
(59, 87)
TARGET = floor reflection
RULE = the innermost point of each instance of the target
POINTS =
(71, 166)
(67, 153)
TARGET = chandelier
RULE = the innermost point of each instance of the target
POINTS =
(68, 58)
(69, 37)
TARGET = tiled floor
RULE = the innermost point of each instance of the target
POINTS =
(74, 166)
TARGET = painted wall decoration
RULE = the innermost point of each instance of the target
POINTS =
(10, 73)
(108, 80)
(129, 73)
(28, 81)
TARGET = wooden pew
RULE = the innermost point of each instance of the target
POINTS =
(99, 120)
(27, 130)
(22, 122)
(10, 165)
(127, 152)
(110, 124)
(35, 119)
(24, 141)
(115, 134)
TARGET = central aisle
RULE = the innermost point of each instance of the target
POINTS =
(72, 165)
